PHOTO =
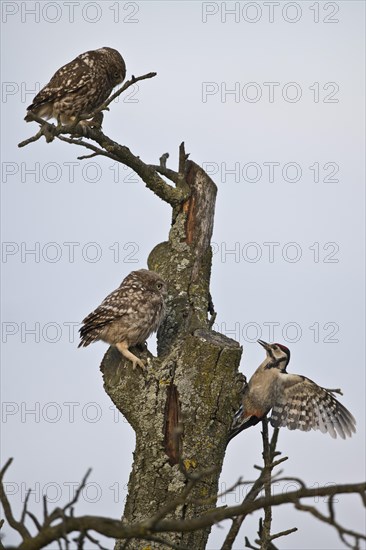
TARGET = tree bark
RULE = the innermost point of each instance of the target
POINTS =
(181, 406)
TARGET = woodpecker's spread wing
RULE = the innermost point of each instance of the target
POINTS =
(304, 405)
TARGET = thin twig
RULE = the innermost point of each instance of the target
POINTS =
(289, 478)
(120, 91)
(168, 173)
(35, 520)
(95, 541)
(119, 153)
(45, 511)
(268, 450)
(32, 139)
(249, 545)
(84, 535)
(284, 533)
(59, 513)
(213, 499)
(150, 528)
(342, 531)
(16, 525)
(88, 145)
(193, 479)
(277, 462)
(182, 158)
(24, 512)
(92, 155)
(238, 521)
(78, 491)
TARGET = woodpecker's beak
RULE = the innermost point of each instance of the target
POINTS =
(264, 344)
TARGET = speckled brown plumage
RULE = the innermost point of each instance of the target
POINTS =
(129, 314)
(80, 87)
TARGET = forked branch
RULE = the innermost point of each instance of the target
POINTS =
(58, 525)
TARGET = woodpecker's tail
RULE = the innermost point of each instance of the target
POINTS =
(241, 422)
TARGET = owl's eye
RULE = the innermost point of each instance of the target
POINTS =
(275, 347)
(116, 74)
(159, 286)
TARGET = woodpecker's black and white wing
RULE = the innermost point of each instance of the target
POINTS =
(303, 405)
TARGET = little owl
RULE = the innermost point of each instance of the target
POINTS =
(128, 315)
(79, 87)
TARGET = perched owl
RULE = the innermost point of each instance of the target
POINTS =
(79, 87)
(128, 315)
(296, 401)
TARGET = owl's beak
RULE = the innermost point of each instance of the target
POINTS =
(264, 344)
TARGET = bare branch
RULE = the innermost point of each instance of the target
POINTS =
(24, 512)
(78, 491)
(182, 158)
(277, 462)
(165, 510)
(284, 533)
(290, 478)
(19, 527)
(168, 173)
(117, 529)
(163, 160)
(92, 155)
(268, 451)
(35, 520)
(60, 513)
(269, 543)
(32, 139)
(45, 511)
(342, 531)
(159, 524)
(2, 547)
(86, 536)
(122, 154)
(126, 85)
(238, 521)
(193, 479)
(88, 145)
(249, 545)
(109, 148)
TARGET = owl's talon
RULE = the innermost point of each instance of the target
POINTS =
(139, 363)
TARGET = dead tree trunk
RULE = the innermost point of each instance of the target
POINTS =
(181, 408)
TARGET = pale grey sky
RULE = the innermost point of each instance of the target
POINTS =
(269, 99)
